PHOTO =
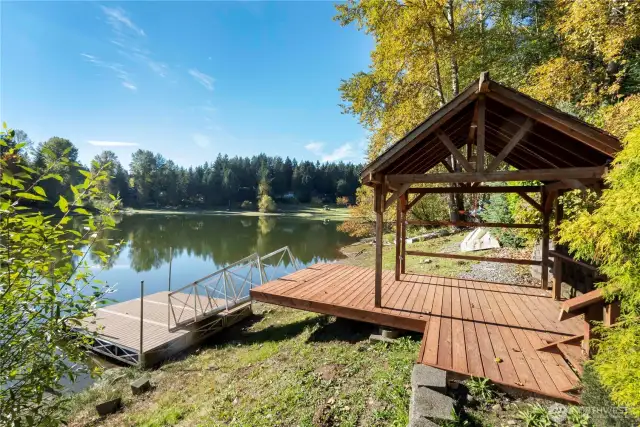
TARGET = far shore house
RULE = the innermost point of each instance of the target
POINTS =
(512, 334)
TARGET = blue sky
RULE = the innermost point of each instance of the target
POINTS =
(186, 79)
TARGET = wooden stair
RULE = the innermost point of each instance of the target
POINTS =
(570, 349)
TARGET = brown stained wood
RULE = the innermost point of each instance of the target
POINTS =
(399, 226)
(458, 347)
(531, 201)
(415, 201)
(457, 155)
(544, 245)
(517, 175)
(471, 190)
(403, 238)
(501, 350)
(445, 339)
(396, 195)
(567, 258)
(466, 324)
(578, 303)
(433, 335)
(475, 258)
(611, 313)
(554, 119)
(515, 139)
(482, 112)
(475, 224)
(379, 195)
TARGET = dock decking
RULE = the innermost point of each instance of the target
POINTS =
(118, 327)
(470, 327)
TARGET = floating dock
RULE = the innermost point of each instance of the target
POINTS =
(148, 330)
(122, 334)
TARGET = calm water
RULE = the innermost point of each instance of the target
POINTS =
(204, 243)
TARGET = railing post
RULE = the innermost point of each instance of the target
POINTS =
(140, 358)
(195, 301)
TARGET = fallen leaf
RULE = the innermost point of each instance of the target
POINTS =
(498, 360)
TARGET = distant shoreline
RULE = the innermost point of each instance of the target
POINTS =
(310, 212)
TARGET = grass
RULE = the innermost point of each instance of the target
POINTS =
(363, 254)
(281, 367)
(301, 211)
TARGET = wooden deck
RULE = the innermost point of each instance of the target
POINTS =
(470, 327)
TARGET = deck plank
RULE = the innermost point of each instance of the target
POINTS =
(466, 324)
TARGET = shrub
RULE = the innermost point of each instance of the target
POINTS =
(247, 204)
(610, 235)
(266, 204)
(342, 201)
(497, 210)
(594, 395)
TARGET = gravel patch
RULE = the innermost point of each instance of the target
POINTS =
(503, 273)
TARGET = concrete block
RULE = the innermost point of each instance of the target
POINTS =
(389, 333)
(380, 338)
(429, 377)
(431, 405)
(140, 386)
(421, 422)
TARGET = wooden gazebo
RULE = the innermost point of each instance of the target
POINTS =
(509, 333)
(543, 144)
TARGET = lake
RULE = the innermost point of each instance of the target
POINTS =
(203, 244)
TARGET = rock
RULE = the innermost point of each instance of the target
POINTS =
(496, 408)
(429, 377)
(470, 399)
(422, 422)
(389, 333)
(140, 386)
(479, 239)
(512, 422)
(380, 338)
(431, 405)
(109, 407)
(426, 261)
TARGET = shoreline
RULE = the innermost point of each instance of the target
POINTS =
(303, 212)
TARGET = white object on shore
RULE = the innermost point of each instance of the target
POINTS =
(479, 239)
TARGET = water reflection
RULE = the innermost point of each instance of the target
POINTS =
(203, 243)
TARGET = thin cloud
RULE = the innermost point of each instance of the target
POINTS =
(202, 78)
(120, 21)
(343, 152)
(114, 67)
(201, 140)
(113, 143)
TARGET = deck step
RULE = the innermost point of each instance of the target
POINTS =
(573, 354)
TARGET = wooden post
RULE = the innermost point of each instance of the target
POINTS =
(399, 226)
(611, 313)
(557, 261)
(544, 274)
(140, 358)
(480, 134)
(379, 196)
(594, 314)
(403, 252)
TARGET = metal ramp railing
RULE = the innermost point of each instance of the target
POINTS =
(226, 288)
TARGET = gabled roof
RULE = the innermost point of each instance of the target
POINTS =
(554, 139)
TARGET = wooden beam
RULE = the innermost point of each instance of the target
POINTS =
(399, 226)
(611, 313)
(557, 262)
(475, 258)
(480, 133)
(448, 166)
(515, 139)
(379, 193)
(567, 258)
(532, 202)
(475, 224)
(423, 130)
(566, 184)
(473, 190)
(483, 82)
(517, 175)
(454, 151)
(556, 120)
(403, 249)
(415, 200)
(396, 194)
(546, 213)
